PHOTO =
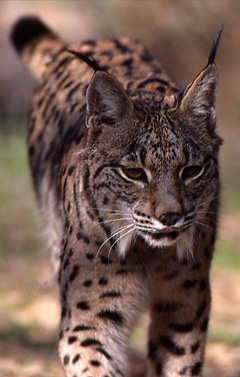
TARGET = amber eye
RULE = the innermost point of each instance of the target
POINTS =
(193, 171)
(134, 173)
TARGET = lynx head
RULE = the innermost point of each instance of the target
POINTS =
(152, 162)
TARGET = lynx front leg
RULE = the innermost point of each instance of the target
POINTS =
(179, 319)
(100, 299)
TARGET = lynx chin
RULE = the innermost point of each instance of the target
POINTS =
(125, 170)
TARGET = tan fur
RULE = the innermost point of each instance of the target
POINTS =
(125, 167)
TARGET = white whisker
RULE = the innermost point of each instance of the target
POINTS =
(113, 220)
(109, 210)
(209, 200)
(113, 235)
(206, 226)
(123, 235)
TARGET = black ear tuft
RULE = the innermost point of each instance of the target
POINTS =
(28, 29)
(214, 47)
(91, 62)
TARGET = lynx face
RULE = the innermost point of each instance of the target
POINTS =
(156, 167)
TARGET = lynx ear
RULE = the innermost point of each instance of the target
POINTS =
(198, 99)
(107, 101)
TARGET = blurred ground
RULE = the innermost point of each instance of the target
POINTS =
(179, 33)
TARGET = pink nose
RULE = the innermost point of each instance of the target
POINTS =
(170, 218)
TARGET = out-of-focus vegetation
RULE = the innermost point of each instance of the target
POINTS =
(179, 33)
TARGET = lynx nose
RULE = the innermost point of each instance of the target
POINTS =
(170, 218)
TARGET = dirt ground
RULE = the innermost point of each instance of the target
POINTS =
(29, 321)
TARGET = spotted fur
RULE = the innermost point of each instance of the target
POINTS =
(125, 168)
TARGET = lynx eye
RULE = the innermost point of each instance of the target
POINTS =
(191, 172)
(134, 173)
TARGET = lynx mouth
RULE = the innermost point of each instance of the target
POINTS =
(166, 235)
(170, 234)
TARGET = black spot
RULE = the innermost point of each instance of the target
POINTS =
(86, 179)
(119, 372)
(150, 81)
(120, 46)
(152, 350)
(64, 294)
(182, 327)
(189, 283)
(66, 263)
(102, 281)
(95, 363)
(73, 90)
(68, 84)
(90, 42)
(128, 62)
(91, 342)
(87, 283)
(64, 312)
(72, 339)
(81, 236)
(62, 63)
(73, 106)
(203, 286)
(204, 325)
(76, 358)
(31, 151)
(195, 347)
(123, 262)
(173, 348)
(70, 254)
(83, 305)
(171, 275)
(74, 272)
(208, 253)
(161, 89)
(167, 306)
(66, 360)
(105, 200)
(123, 271)
(113, 316)
(104, 352)
(83, 328)
(196, 266)
(60, 335)
(159, 368)
(201, 309)
(90, 215)
(90, 256)
(147, 58)
(105, 260)
(71, 170)
(196, 369)
(110, 294)
(64, 189)
(64, 248)
(184, 261)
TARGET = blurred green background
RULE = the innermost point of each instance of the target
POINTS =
(178, 33)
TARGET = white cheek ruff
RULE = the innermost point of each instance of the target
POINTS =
(125, 241)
